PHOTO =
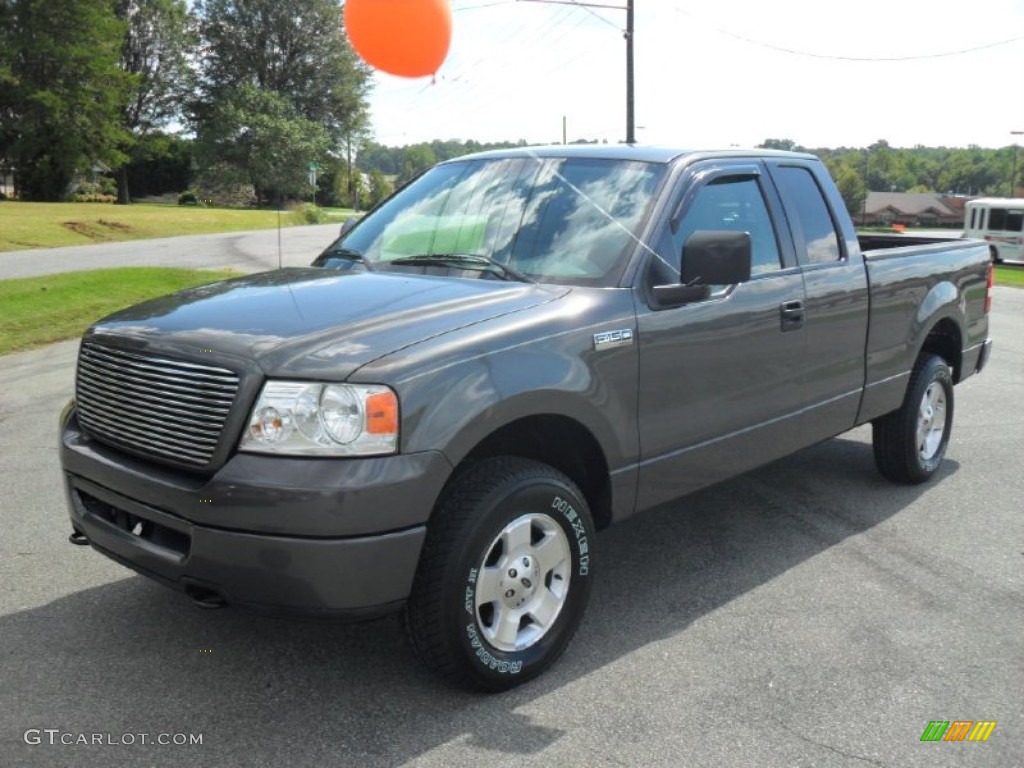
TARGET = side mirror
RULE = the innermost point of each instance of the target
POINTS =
(716, 257)
(348, 224)
(710, 257)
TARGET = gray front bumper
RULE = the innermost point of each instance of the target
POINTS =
(319, 536)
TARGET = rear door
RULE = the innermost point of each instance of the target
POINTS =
(721, 378)
(835, 282)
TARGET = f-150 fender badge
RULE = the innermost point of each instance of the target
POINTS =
(609, 339)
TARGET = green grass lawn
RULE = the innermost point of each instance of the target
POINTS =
(41, 310)
(1010, 276)
(48, 225)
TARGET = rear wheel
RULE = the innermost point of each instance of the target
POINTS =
(504, 576)
(911, 442)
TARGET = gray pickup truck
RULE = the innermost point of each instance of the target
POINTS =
(515, 350)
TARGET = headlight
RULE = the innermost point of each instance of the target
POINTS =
(307, 419)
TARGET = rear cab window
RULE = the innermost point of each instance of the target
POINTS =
(813, 227)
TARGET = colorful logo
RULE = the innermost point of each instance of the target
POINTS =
(958, 730)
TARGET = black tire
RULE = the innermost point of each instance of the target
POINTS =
(994, 254)
(908, 444)
(526, 523)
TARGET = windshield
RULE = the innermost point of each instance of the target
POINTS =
(562, 220)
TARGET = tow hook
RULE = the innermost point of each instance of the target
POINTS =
(78, 538)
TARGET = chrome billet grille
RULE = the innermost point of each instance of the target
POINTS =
(165, 408)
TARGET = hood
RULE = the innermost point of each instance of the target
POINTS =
(315, 323)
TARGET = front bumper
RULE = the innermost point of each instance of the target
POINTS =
(323, 536)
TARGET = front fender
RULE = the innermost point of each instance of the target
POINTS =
(459, 407)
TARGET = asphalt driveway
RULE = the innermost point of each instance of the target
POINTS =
(254, 251)
(806, 614)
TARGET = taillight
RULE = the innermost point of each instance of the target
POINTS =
(988, 290)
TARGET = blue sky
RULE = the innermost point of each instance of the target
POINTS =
(722, 73)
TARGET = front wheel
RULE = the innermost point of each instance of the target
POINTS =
(910, 443)
(504, 576)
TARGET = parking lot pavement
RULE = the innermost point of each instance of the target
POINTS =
(806, 614)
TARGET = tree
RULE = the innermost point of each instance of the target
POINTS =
(785, 144)
(260, 139)
(276, 68)
(157, 41)
(62, 93)
(851, 187)
(416, 158)
(159, 163)
(380, 188)
(8, 83)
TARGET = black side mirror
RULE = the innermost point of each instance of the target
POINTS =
(348, 224)
(716, 257)
(710, 257)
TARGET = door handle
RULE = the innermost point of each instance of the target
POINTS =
(792, 315)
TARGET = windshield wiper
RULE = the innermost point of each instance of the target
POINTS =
(463, 259)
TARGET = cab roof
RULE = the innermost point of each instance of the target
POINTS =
(639, 152)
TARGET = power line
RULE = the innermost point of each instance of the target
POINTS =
(595, 14)
(830, 57)
(485, 5)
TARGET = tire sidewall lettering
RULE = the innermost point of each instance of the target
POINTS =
(944, 380)
(578, 530)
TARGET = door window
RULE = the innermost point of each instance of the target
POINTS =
(730, 203)
(805, 204)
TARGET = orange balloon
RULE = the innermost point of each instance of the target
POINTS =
(408, 38)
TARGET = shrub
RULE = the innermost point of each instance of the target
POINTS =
(308, 213)
(189, 197)
(93, 197)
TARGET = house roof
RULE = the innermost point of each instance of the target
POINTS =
(912, 203)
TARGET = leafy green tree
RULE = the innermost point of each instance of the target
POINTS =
(785, 144)
(63, 91)
(155, 52)
(380, 188)
(261, 139)
(8, 83)
(276, 70)
(851, 187)
(159, 163)
(416, 158)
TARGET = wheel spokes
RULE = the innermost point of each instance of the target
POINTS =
(551, 553)
(931, 421)
(504, 628)
(545, 610)
(517, 535)
(488, 585)
(523, 582)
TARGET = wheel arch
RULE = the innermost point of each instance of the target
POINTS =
(560, 442)
(945, 340)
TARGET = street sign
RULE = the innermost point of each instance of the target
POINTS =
(314, 166)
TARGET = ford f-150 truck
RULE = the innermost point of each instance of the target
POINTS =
(515, 350)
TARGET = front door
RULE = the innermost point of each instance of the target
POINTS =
(720, 379)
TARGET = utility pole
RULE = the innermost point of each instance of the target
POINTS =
(867, 186)
(1013, 173)
(629, 35)
(630, 119)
